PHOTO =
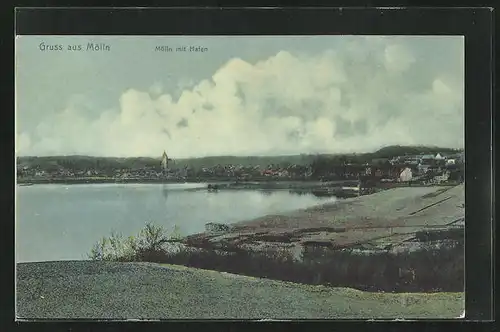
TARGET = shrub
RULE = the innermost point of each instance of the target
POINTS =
(112, 248)
(151, 241)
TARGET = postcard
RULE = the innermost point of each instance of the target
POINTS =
(239, 177)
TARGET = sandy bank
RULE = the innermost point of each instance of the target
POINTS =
(393, 215)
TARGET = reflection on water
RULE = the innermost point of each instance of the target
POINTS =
(164, 191)
(300, 192)
(63, 222)
(315, 193)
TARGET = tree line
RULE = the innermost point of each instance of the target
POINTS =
(317, 162)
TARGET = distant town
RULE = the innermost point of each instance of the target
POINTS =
(428, 165)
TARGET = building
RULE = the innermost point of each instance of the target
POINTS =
(413, 160)
(441, 178)
(422, 168)
(380, 161)
(427, 159)
(406, 175)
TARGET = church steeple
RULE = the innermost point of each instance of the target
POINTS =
(164, 161)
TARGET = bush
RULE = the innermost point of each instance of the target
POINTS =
(152, 241)
(112, 248)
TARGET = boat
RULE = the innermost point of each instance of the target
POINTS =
(213, 187)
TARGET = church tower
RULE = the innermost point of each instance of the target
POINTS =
(164, 162)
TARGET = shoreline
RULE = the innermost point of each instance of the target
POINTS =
(90, 180)
(370, 218)
(340, 243)
(163, 180)
(339, 189)
(296, 186)
(213, 185)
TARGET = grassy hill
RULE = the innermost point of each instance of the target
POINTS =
(103, 290)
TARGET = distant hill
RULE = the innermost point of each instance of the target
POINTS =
(89, 162)
(401, 150)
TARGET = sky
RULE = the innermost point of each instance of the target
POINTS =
(245, 95)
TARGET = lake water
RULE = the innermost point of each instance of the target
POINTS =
(61, 222)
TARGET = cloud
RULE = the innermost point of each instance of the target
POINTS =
(397, 58)
(23, 143)
(371, 93)
(156, 89)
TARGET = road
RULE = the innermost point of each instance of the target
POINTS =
(86, 289)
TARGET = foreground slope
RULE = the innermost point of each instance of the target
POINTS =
(87, 289)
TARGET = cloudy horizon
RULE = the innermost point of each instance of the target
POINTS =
(244, 96)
